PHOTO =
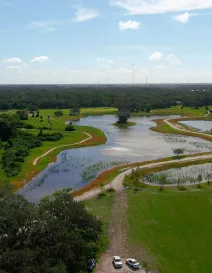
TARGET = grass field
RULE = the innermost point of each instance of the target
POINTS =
(101, 207)
(28, 171)
(174, 227)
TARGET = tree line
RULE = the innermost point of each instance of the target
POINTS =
(138, 98)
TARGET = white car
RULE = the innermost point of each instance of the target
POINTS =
(132, 263)
(117, 262)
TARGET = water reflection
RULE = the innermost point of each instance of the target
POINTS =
(201, 125)
(76, 167)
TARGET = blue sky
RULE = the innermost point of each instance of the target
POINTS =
(95, 41)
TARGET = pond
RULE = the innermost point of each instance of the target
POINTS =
(75, 168)
(185, 176)
(201, 125)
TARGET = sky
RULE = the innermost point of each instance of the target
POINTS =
(104, 41)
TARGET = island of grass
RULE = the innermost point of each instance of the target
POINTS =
(124, 125)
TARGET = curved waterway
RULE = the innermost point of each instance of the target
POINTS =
(75, 168)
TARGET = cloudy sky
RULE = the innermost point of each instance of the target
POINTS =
(98, 41)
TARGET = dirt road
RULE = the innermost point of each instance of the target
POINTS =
(117, 182)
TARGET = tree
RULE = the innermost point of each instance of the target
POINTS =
(55, 235)
(38, 114)
(123, 116)
(58, 113)
(178, 151)
(23, 114)
(70, 128)
(41, 118)
(7, 129)
(74, 111)
(199, 179)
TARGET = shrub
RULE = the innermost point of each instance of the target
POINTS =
(28, 126)
(110, 190)
(50, 137)
(102, 194)
(70, 128)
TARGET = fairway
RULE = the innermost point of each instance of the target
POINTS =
(174, 227)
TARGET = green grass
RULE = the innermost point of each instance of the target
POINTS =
(175, 110)
(101, 207)
(28, 171)
(174, 227)
(124, 125)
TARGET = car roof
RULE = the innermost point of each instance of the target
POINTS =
(133, 260)
(117, 258)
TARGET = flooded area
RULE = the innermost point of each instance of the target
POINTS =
(77, 167)
(200, 125)
(185, 176)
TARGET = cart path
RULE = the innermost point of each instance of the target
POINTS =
(67, 145)
(168, 122)
(117, 181)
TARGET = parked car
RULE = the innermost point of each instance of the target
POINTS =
(117, 262)
(132, 263)
(91, 265)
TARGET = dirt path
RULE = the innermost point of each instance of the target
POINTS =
(117, 234)
(117, 182)
(167, 121)
(67, 145)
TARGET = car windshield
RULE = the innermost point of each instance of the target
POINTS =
(90, 261)
(118, 260)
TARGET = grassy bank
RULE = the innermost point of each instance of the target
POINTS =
(107, 176)
(175, 110)
(28, 171)
(124, 125)
(174, 227)
(101, 207)
(162, 127)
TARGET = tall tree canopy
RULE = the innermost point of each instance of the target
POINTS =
(55, 235)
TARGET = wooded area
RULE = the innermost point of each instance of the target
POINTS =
(139, 98)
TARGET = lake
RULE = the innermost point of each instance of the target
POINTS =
(201, 125)
(75, 168)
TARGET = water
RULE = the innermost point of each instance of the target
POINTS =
(181, 176)
(77, 167)
(201, 125)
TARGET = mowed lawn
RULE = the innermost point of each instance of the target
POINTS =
(174, 227)
(101, 208)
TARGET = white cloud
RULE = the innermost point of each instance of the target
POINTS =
(182, 18)
(156, 56)
(12, 60)
(48, 25)
(129, 25)
(18, 68)
(40, 59)
(85, 14)
(160, 6)
(173, 60)
(159, 66)
(104, 60)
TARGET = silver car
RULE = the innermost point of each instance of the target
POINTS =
(132, 263)
(117, 262)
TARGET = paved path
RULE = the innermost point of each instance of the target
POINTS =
(36, 160)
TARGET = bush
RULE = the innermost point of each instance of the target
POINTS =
(28, 126)
(44, 128)
(102, 194)
(50, 137)
(110, 190)
(70, 128)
